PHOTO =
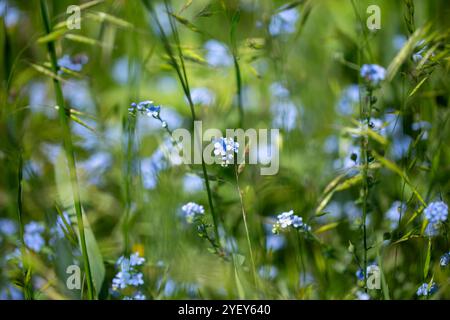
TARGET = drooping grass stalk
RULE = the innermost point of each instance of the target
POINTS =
(69, 150)
(178, 64)
(247, 233)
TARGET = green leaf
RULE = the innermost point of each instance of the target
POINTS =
(327, 227)
(426, 267)
(405, 52)
(238, 261)
(82, 39)
(105, 17)
(65, 195)
(418, 86)
(53, 36)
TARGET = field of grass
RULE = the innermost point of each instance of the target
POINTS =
(96, 201)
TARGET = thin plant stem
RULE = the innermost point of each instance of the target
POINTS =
(302, 261)
(180, 70)
(69, 150)
(27, 286)
(247, 233)
(365, 117)
(239, 91)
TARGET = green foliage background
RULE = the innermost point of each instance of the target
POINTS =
(315, 63)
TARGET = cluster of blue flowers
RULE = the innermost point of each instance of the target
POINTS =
(217, 54)
(145, 107)
(373, 74)
(289, 219)
(427, 289)
(148, 108)
(225, 149)
(129, 275)
(33, 236)
(445, 259)
(435, 213)
(191, 210)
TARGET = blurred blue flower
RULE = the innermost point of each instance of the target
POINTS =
(393, 126)
(275, 242)
(136, 296)
(285, 115)
(96, 165)
(393, 213)
(192, 183)
(399, 41)
(362, 295)
(9, 13)
(400, 146)
(373, 74)
(7, 227)
(370, 269)
(60, 225)
(331, 144)
(164, 157)
(170, 288)
(202, 96)
(78, 95)
(10, 292)
(334, 209)
(349, 160)
(445, 259)
(277, 90)
(427, 289)
(284, 22)
(123, 70)
(432, 230)
(436, 212)
(74, 63)
(39, 99)
(191, 210)
(349, 100)
(163, 18)
(33, 236)
(145, 107)
(129, 274)
(287, 219)
(268, 272)
(217, 54)
(423, 127)
(136, 260)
